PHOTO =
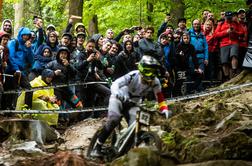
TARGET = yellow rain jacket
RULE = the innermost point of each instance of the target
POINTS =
(39, 104)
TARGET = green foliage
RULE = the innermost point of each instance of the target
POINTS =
(8, 11)
(119, 14)
(194, 8)
(170, 139)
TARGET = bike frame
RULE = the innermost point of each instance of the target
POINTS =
(126, 134)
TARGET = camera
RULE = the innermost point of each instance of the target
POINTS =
(94, 51)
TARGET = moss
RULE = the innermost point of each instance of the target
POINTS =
(187, 143)
(170, 139)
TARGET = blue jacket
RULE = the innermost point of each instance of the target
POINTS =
(38, 40)
(41, 61)
(20, 57)
(200, 44)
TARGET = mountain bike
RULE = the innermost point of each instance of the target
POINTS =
(138, 134)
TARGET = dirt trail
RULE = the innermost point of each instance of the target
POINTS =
(78, 136)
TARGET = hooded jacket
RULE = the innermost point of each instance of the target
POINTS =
(184, 53)
(3, 24)
(67, 72)
(54, 48)
(21, 58)
(126, 61)
(41, 61)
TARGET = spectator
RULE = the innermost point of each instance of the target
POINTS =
(106, 47)
(79, 48)
(212, 67)
(110, 34)
(198, 40)
(66, 40)
(7, 26)
(4, 52)
(98, 38)
(50, 28)
(52, 42)
(19, 63)
(222, 17)
(88, 63)
(147, 46)
(136, 39)
(40, 63)
(43, 99)
(181, 26)
(165, 25)
(64, 73)
(186, 64)
(109, 60)
(79, 27)
(168, 53)
(176, 38)
(228, 33)
(243, 40)
(126, 60)
(205, 15)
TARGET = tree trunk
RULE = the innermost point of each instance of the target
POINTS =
(37, 7)
(1, 9)
(177, 10)
(93, 25)
(76, 8)
(19, 16)
(149, 11)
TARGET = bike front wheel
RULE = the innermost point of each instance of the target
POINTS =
(150, 139)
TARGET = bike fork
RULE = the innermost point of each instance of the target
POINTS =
(137, 129)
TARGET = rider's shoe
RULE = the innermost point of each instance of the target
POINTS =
(96, 152)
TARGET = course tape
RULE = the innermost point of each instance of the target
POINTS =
(207, 93)
(52, 86)
(187, 97)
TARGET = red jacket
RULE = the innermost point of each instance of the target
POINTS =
(212, 42)
(226, 38)
(4, 58)
(244, 38)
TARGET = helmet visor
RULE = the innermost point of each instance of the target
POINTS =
(149, 72)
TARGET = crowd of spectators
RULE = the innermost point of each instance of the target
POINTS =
(210, 49)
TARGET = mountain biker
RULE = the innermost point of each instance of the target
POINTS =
(134, 85)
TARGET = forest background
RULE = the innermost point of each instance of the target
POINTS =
(99, 15)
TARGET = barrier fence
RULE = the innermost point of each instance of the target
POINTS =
(98, 109)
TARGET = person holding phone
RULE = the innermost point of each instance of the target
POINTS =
(165, 25)
(228, 34)
(38, 35)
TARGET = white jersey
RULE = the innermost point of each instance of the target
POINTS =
(132, 86)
